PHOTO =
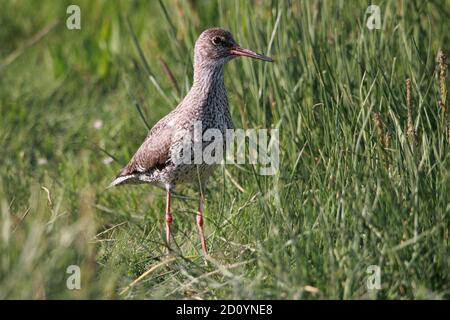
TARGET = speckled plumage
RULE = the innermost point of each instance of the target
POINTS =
(206, 102)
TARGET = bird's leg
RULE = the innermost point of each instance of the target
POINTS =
(168, 219)
(200, 224)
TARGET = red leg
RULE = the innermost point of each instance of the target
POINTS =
(200, 225)
(168, 218)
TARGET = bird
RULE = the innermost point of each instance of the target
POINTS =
(206, 103)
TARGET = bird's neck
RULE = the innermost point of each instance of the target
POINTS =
(208, 78)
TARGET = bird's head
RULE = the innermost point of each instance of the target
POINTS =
(216, 46)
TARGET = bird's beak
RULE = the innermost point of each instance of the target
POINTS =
(238, 51)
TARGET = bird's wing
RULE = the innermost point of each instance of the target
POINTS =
(153, 153)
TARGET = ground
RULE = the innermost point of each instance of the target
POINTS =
(364, 171)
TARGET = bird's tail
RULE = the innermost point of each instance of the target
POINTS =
(119, 180)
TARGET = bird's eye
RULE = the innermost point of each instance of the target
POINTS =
(216, 40)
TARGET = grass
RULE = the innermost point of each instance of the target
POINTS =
(364, 174)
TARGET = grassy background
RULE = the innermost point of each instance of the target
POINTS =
(354, 189)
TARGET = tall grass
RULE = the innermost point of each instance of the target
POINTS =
(364, 166)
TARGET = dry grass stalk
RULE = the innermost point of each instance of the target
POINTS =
(443, 93)
(410, 133)
(385, 137)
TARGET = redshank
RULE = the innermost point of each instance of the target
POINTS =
(206, 103)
